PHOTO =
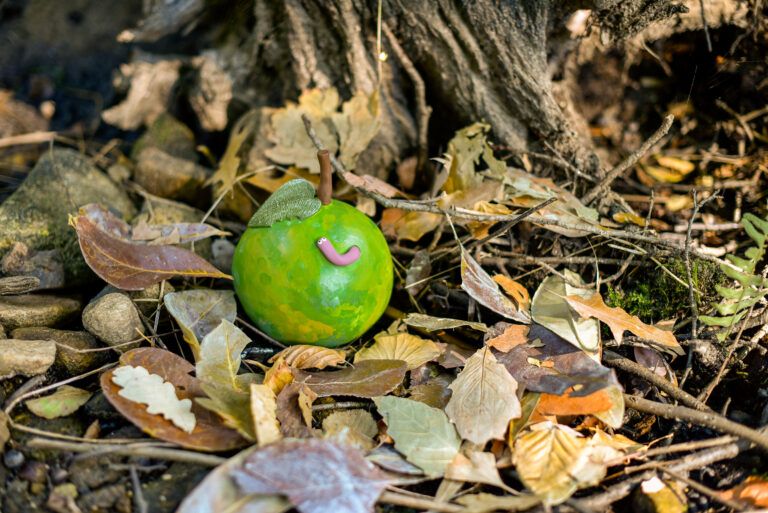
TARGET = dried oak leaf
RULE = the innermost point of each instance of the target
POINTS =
(413, 350)
(209, 434)
(130, 266)
(317, 476)
(369, 378)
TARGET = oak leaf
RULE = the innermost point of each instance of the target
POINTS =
(413, 350)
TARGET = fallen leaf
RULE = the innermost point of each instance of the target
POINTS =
(481, 287)
(370, 183)
(369, 378)
(570, 370)
(476, 467)
(353, 427)
(484, 399)
(529, 415)
(487, 502)
(514, 335)
(619, 321)
(64, 401)
(209, 433)
(481, 229)
(271, 179)
(177, 233)
(652, 359)
(551, 309)
(292, 404)
(264, 414)
(317, 476)
(310, 357)
(753, 491)
(278, 376)
(357, 125)
(429, 323)
(232, 406)
(413, 350)
(423, 434)
(106, 220)
(416, 277)
(402, 225)
(514, 290)
(130, 266)
(26, 357)
(218, 492)
(139, 386)
(435, 392)
(662, 496)
(386, 457)
(465, 149)
(200, 311)
(595, 402)
(220, 359)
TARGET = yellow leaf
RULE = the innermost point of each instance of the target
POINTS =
(682, 166)
(310, 357)
(413, 350)
(278, 376)
(514, 290)
(620, 321)
(628, 218)
(264, 413)
(513, 336)
(480, 230)
(411, 226)
(267, 180)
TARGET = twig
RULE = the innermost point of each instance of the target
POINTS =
(709, 419)
(133, 450)
(617, 361)
(709, 492)
(424, 110)
(408, 501)
(339, 405)
(706, 28)
(138, 496)
(30, 138)
(630, 161)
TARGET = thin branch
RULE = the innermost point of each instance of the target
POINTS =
(708, 419)
(617, 361)
(709, 492)
(630, 161)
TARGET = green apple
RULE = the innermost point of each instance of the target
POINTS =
(300, 278)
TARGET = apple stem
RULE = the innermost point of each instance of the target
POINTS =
(325, 189)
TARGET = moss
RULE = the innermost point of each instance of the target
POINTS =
(655, 296)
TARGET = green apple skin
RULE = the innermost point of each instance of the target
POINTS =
(295, 295)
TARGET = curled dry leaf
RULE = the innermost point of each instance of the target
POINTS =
(476, 467)
(620, 321)
(220, 359)
(209, 433)
(513, 335)
(484, 399)
(278, 376)
(64, 401)
(370, 183)
(139, 386)
(317, 476)
(423, 434)
(413, 350)
(294, 411)
(551, 309)
(264, 414)
(200, 311)
(177, 233)
(369, 378)
(429, 323)
(399, 224)
(218, 492)
(479, 285)
(310, 357)
(514, 290)
(130, 266)
(353, 427)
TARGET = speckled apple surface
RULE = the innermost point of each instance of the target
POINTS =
(294, 294)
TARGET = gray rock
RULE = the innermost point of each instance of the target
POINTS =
(167, 176)
(33, 310)
(43, 265)
(37, 212)
(114, 319)
(168, 134)
(70, 355)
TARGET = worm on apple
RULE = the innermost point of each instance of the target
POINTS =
(333, 256)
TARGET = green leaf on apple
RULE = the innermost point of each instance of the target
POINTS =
(294, 200)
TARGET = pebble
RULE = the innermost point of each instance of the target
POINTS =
(13, 459)
(74, 361)
(114, 319)
(33, 310)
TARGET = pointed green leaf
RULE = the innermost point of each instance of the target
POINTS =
(294, 200)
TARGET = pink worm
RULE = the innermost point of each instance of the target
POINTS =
(333, 256)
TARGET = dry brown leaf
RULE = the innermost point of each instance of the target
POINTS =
(264, 413)
(369, 378)
(354, 427)
(476, 467)
(270, 179)
(753, 491)
(402, 225)
(130, 266)
(619, 321)
(479, 285)
(514, 335)
(566, 404)
(413, 350)
(370, 183)
(310, 357)
(278, 376)
(479, 229)
(291, 411)
(209, 434)
(484, 399)
(514, 290)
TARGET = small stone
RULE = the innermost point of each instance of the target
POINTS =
(13, 459)
(26, 357)
(119, 173)
(62, 498)
(34, 472)
(32, 310)
(223, 251)
(167, 176)
(168, 134)
(47, 266)
(146, 300)
(114, 319)
(75, 351)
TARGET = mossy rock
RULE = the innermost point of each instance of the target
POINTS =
(170, 135)
(37, 213)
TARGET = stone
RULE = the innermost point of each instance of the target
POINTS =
(167, 176)
(26, 357)
(114, 319)
(145, 300)
(37, 310)
(168, 134)
(37, 212)
(44, 265)
(75, 349)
